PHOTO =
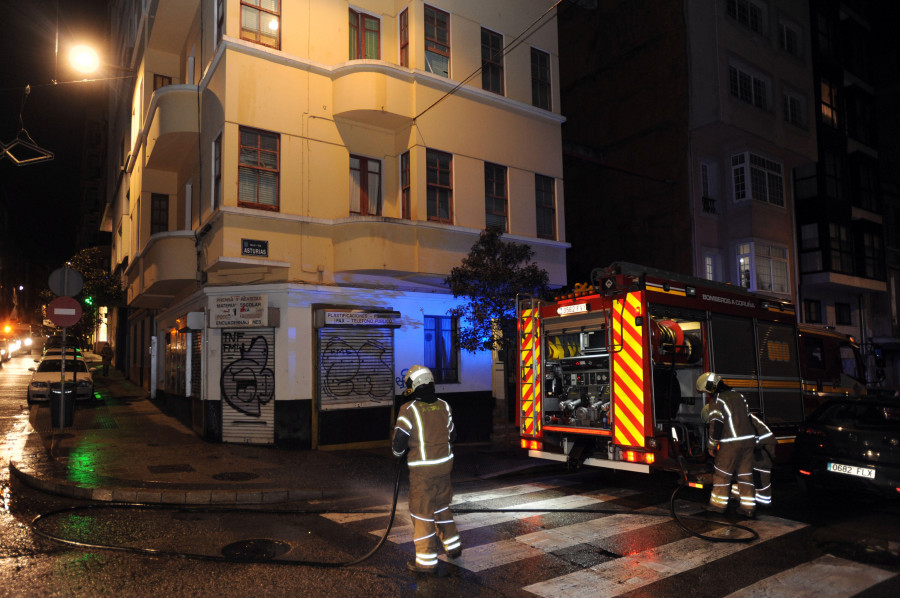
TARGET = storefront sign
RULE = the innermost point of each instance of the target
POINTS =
(354, 318)
(254, 248)
(238, 310)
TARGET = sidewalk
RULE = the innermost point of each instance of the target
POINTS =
(123, 448)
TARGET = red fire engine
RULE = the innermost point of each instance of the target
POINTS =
(607, 373)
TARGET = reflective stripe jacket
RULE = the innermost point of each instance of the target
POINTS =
(764, 437)
(426, 428)
(729, 419)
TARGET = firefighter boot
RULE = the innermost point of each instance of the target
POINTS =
(415, 567)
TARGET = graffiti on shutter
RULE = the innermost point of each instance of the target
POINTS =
(247, 385)
(356, 367)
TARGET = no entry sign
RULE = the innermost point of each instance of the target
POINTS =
(64, 311)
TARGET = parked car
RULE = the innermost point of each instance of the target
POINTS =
(852, 443)
(70, 352)
(46, 379)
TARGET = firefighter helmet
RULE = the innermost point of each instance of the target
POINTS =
(417, 376)
(708, 381)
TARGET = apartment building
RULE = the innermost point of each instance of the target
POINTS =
(843, 213)
(293, 180)
(705, 111)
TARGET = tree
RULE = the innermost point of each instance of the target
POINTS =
(494, 272)
(100, 289)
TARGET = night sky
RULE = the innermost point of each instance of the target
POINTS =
(39, 202)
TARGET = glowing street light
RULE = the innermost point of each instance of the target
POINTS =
(84, 59)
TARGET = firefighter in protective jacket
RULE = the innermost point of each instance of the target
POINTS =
(732, 439)
(425, 428)
(763, 457)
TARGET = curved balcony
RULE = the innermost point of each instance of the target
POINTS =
(173, 127)
(375, 93)
(166, 267)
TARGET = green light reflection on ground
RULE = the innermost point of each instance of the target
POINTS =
(82, 465)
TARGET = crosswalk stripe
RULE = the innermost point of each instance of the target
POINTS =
(618, 576)
(825, 577)
(503, 552)
(403, 532)
(483, 495)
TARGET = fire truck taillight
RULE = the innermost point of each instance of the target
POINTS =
(533, 445)
(639, 457)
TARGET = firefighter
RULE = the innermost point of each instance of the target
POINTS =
(425, 429)
(732, 439)
(763, 457)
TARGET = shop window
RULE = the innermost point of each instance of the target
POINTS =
(441, 348)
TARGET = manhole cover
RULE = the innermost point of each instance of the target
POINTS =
(254, 549)
(170, 468)
(236, 476)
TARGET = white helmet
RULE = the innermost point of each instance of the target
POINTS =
(708, 381)
(417, 376)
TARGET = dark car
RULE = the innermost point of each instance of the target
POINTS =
(852, 443)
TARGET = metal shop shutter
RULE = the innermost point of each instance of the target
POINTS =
(356, 368)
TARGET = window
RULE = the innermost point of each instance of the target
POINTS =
(220, 20)
(789, 38)
(365, 186)
(842, 314)
(860, 113)
(841, 250)
(161, 81)
(405, 186)
(217, 173)
(812, 310)
(159, 213)
(495, 196)
(746, 13)
(744, 264)
(404, 37)
(752, 89)
(864, 174)
(261, 22)
(491, 61)
(832, 166)
(258, 169)
(365, 36)
(540, 79)
(440, 186)
(763, 267)
(707, 176)
(441, 349)
(712, 268)
(437, 41)
(794, 109)
(545, 200)
(764, 181)
(771, 268)
(829, 104)
(810, 249)
(873, 263)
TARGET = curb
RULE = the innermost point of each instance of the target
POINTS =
(173, 497)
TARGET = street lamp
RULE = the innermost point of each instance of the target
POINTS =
(84, 59)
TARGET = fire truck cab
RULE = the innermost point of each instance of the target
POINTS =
(607, 373)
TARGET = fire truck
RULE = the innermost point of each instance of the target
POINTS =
(607, 373)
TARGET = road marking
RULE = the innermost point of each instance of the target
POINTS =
(465, 521)
(825, 577)
(618, 576)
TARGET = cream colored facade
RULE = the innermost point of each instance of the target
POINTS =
(181, 247)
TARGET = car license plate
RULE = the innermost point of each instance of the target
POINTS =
(862, 472)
